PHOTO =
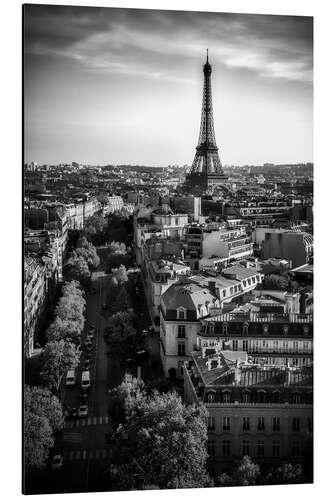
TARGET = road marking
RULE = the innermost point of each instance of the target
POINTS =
(97, 453)
(71, 455)
(72, 437)
(100, 420)
(106, 420)
(78, 454)
(89, 420)
(84, 454)
(94, 420)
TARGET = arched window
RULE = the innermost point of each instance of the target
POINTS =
(226, 397)
(211, 397)
(246, 329)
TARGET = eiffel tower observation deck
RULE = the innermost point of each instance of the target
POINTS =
(206, 168)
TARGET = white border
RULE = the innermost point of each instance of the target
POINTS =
(11, 238)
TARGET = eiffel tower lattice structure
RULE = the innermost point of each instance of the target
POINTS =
(206, 168)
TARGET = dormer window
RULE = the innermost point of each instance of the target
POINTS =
(181, 313)
(225, 329)
(211, 397)
(211, 328)
(265, 328)
(246, 329)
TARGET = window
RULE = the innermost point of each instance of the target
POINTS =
(245, 329)
(211, 423)
(276, 397)
(246, 423)
(181, 349)
(261, 397)
(225, 329)
(226, 397)
(295, 346)
(211, 328)
(181, 313)
(310, 425)
(245, 345)
(226, 423)
(246, 447)
(296, 424)
(225, 448)
(261, 423)
(211, 397)
(276, 423)
(296, 398)
(211, 447)
(181, 331)
(276, 448)
(260, 449)
(246, 397)
(235, 345)
(295, 449)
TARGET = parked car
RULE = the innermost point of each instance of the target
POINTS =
(83, 397)
(104, 307)
(83, 410)
(57, 462)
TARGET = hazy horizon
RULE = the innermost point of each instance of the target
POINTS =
(124, 86)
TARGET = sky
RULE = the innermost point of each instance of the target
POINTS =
(124, 86)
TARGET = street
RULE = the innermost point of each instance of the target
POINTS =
(82, 444)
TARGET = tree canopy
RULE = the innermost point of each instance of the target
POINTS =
(59, 357)
(38, 439)
(160, 441)
(43, 403)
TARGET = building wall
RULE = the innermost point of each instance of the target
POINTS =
(170, 340)
(226, 443)
(287, 245)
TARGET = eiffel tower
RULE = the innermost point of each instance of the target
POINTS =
(206, 169)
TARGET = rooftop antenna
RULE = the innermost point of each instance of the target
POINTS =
(207, 55)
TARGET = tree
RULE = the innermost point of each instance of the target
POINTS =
(95, 224)
(64, 329)
(247, 473)
(160, 442)
(38, 440)
(286, 474)
(59, 357)
(86, 249)
(77, 268)
(121, 275)
(43, 403)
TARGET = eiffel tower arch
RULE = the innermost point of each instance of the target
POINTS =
(206, 168)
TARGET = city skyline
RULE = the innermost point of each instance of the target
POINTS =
(113, 86)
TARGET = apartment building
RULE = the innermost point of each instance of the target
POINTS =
(263, 411)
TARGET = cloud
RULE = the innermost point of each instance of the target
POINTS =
(155, 44)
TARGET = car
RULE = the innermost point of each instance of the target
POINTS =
(89, 346)
(57, 462)
(92, 329)
(104, 307)
(86, 365)
(83, 410)
(144, 332)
